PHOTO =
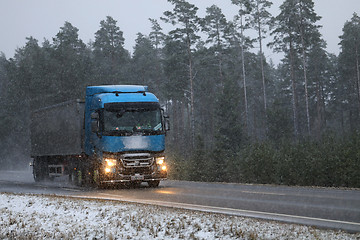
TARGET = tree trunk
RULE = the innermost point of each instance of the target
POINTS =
(294, 97)
(357, 73)
(320, 109)
(262, 69)
(192, 111)
(219, 47)
(305, 82)
(244, 78)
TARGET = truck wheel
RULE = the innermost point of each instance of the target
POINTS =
(38, 170)
(134, 184)
(154, 183)
(79, 178)
(38, 177)
(96, 179)
(76, 177)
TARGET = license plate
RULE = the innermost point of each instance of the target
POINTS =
(137, 177)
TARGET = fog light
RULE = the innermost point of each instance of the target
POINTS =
(163, 168)
(107, 170)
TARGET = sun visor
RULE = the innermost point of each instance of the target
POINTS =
(131, 106)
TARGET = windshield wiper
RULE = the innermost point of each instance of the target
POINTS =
(150, 131)
(135, 131)
(118, 133)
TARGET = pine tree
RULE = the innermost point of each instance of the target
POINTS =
(294, 32)
(111, 59)
(261, 20)
(306, 27)
(8, 114)
(157, 38)
(156, 35)
(349, 63)
(146, 66)
(184, 15)
(175, 87)
(216, 27)
(240, 38)
(319, 77)
(229, 138)
(72, 69)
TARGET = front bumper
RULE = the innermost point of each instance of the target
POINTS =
(137, 177)
(133, 167)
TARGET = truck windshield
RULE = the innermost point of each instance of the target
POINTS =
(128, 121)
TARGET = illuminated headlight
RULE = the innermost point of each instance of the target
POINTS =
(160, 160)
(110, 162)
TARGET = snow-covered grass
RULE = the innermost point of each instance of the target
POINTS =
(52, 217)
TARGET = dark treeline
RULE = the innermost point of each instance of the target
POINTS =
(234, 115)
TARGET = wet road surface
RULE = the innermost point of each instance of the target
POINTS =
(321, 207)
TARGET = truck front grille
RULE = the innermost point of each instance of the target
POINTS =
(137, 160)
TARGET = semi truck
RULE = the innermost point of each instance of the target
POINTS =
(117, 135)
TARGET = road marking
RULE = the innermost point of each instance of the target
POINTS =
(271, 187)
(264, 193)
(350, 226)
(71, 189)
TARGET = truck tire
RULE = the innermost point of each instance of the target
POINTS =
(154, 183)
(80, 177)
(134, 184)
(39, 170)
(76, 177)
(38, 177)
(72, 177)
(96, 179)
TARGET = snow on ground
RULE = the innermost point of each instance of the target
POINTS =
(52, 217)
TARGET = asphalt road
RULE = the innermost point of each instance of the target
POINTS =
(321, 207)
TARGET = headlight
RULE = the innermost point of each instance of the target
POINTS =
(110, 162)
(160, 160)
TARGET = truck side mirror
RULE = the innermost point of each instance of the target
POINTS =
(166, 120)
(94, 115)
(95, 122)
(167, 123)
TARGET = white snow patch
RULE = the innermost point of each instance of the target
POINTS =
(25, 216)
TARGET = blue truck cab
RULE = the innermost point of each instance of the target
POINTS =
(116, 136)
(125, 130)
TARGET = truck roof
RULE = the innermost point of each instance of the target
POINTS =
(92, 90)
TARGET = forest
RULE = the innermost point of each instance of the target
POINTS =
(235, 116)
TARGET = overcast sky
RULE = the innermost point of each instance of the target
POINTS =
(43, 18)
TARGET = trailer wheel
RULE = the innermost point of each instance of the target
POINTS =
(39, 170)
(154, 183)
(76, 177)
(95, 178)
(79, 178)
(38, 177)
(134, 184)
